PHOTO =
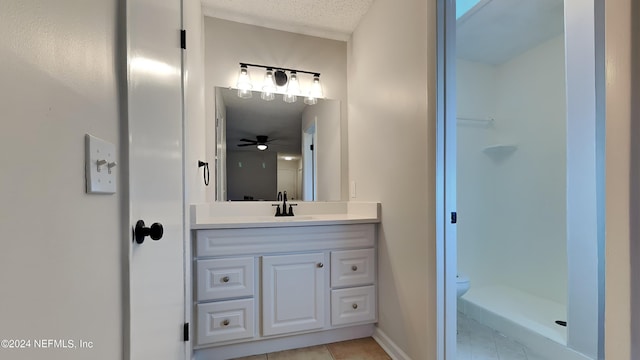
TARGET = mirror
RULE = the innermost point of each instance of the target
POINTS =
(301, 148)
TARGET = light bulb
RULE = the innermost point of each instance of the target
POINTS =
(269, 86)
(244, 84)
(293, 89)
(315, 93)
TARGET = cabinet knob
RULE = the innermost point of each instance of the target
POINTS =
(320, 265)
(354, 306)
(354, 268)
(225, 279)
(225, 323)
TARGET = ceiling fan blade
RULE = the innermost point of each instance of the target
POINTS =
(253, 141)
(247, 144)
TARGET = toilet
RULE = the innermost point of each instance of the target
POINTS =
(462, 283)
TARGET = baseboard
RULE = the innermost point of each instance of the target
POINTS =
(389, 346)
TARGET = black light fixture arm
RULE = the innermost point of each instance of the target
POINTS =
(314, 73)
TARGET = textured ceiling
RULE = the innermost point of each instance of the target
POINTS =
(333, 19)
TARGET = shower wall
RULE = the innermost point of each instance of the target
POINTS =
(511, 200)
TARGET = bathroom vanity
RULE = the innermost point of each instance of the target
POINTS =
(264, 284)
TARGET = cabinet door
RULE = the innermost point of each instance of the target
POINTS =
(293, 293)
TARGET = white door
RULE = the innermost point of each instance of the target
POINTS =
(155, 154)
(293, 293)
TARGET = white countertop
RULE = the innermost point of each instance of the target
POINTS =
(243, 214)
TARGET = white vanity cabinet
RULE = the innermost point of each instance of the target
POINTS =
(293, 293)
(276, 283)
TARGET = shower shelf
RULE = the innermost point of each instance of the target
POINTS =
(500, 150)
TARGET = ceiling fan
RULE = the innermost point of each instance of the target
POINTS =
(260, 142)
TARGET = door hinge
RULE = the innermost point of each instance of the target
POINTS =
(454, 217)
(183, 39)
(311, 147)
(185, 332)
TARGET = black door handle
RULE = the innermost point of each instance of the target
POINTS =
(155, 231)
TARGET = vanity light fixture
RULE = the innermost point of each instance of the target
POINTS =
(293, 88)
(316, 91)
(244, 84)
(269, 86)
(275, 78)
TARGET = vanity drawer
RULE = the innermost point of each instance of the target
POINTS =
(225, 278)
(352, 267)
(225, 320)
(353, 305)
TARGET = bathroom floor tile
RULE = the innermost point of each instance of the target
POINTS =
(310, 353)
(360, 349)
(479, 342)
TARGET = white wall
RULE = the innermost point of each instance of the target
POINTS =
(327, 149)
(391, 98)
(620, 200)
(512, 208)
(289, 178)
(244, 167)
(228, 43)
(61, 257)
(475, 94)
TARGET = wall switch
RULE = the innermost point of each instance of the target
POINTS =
(100, 166)
(352, 189)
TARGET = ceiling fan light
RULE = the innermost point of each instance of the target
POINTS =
(244, 83)
(262, 147)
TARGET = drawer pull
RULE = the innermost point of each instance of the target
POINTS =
(225, 279)
(320, 265)
(354, 306)
(354, 268)
(225, 323)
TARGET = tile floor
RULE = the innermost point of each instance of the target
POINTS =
(479, 342)
(475, 342)
(359, 349)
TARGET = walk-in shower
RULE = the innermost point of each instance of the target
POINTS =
(512, 170)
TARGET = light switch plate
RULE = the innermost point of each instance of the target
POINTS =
(352, 189)
(100, 166)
